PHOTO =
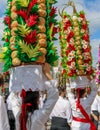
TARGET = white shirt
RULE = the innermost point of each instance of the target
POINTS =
(62, 109)
(96, 104)
(86, 103)
(4, 125)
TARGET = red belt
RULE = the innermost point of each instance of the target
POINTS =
(92, 126)
(80, 120)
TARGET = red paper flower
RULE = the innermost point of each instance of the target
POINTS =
(90, 71)
(64, 71)
(32, 20)
(6, 39)
(32, 3)
(73, 71)
(31, 38)
(84, 26)
(68, 51)
(85, 37)
(82, 16)
(7, 21)
(69, 62)
(53, 11)
(55, 30)
(70, 74)
(87, 61)
(65, 16)
(71, 47)
(67, 24)
(87, 49)
(71, 34)
(22, 13)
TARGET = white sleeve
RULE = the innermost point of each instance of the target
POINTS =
(68, 112)
(53, 95)
(70, 95)
(4, 125)
(94, 105)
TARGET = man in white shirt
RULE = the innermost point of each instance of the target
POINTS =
(61, 114)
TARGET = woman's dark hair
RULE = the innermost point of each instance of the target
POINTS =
(31, 98)
(1, 80)
(80, 92)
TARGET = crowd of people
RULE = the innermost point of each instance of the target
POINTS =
(77, 107)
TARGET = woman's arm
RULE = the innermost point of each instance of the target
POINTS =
(93, 93)
(51, 87)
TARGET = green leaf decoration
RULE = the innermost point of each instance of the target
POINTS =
(29, 50)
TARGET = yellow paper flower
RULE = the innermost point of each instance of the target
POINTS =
(4, 49)
(24, 29)
(23, 3)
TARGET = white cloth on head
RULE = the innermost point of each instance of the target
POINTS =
(26, 77)
(79, 82)
(62, 109)
(4, 124)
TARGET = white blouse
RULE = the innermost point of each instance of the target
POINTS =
(4, 125)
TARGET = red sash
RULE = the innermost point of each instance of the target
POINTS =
(87, 118)
(24, 107)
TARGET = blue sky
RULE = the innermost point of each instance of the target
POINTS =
(91, 8)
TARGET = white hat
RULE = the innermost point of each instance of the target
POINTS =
(79, 82)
